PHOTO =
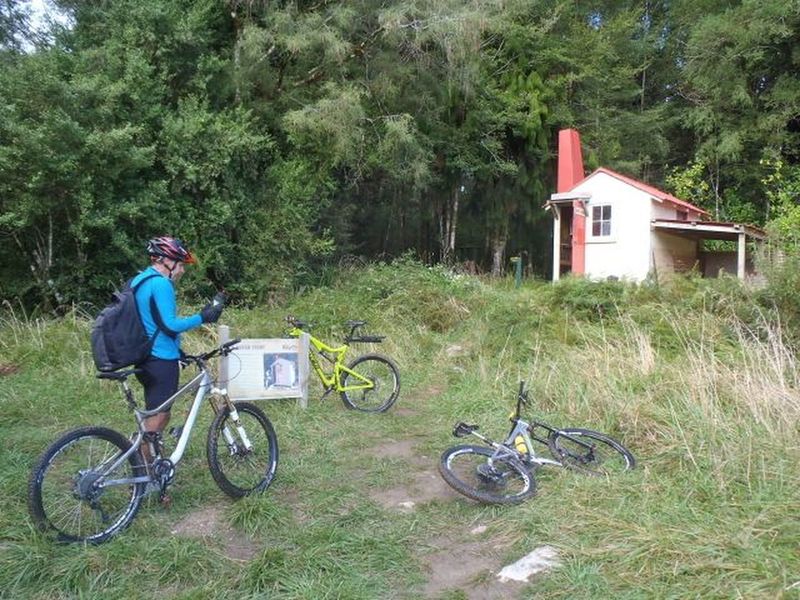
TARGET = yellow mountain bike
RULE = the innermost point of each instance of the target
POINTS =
(371, 383)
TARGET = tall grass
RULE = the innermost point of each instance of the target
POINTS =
(699, 379)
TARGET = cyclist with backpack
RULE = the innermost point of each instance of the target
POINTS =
(155, 299)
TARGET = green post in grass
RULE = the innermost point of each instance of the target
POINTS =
(518, 272)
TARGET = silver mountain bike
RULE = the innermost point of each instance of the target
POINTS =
(503, 472)
(89, 484)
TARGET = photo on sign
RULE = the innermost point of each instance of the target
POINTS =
(281, 371)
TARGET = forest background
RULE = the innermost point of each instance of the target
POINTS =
(278, 137)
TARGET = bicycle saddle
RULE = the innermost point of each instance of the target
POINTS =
(300, 324)
(367, 339)
(118, 375)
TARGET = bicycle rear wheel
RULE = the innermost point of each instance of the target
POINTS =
(374, 385)
(467, 470)
(243, 455)
(596, 454)
(67, 495)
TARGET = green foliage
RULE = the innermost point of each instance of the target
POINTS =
(587, 298)
(782, 185)
(782, 291)
(124, 138)
(689, 184)
(736, 82)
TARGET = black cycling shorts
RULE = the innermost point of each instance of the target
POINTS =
(160, 380)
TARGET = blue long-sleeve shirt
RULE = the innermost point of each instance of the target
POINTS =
(161, 289)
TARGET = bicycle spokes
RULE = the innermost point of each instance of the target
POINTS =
(590, 452)
(475, 472)
(82, 489)
(242, 452)
(371, 383)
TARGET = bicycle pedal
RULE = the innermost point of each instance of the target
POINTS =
(327, 391)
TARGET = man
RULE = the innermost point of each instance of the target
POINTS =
(158, 310)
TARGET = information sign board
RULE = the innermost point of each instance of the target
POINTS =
(267, 368)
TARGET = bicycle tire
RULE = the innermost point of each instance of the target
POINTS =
(62, 497)
(262, 459)
(459, 468)
(385, 377)
(606, 457)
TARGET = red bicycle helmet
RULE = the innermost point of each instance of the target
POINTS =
(169, 247)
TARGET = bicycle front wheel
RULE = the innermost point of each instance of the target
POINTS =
(371, 383)
(590, 452)
(71, 493)
(468, 471)
(242, 450)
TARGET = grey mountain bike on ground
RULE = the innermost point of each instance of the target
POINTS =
(89, 484)
(503, 472)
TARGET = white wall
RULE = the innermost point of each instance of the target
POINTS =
(626, 252)
(664, 210)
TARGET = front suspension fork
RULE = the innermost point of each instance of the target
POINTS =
(233, 414)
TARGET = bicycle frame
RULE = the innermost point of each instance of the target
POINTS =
(334, 355)
(507, 448)
(203, 382)
(525, 430)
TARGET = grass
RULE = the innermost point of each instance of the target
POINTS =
(697, 379)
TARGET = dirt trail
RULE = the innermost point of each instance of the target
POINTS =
(466, 561)
(210, 525)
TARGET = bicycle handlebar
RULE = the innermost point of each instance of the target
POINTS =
(223, 350)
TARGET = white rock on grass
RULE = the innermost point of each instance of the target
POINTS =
(541, 559)
(478, 530)
(454, 350)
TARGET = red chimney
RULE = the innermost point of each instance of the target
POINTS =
(570, 172)
(570, 161)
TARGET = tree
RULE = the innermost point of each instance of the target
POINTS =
(14, 26)
(126, 128)
(740, 86)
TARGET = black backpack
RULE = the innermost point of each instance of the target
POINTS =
(119, 338)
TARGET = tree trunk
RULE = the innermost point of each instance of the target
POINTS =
(448, 220)
(237, 31)
(714, 174)
(497, 244)
(41, 261)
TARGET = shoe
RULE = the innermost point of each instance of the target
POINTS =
(154, 487)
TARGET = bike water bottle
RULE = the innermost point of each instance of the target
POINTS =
(519, 442)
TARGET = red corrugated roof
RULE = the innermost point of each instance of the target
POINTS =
(649, 189)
